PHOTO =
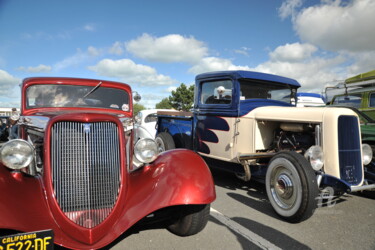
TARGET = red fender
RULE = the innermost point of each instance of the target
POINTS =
(177, 177)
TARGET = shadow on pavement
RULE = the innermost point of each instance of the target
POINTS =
(272, 235)
(256, 192)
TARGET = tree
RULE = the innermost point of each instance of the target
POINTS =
(182, 98)
(137, 107)
(163, 104)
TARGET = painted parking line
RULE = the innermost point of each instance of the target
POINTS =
(243, 231)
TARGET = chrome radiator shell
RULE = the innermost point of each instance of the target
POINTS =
(85, 170)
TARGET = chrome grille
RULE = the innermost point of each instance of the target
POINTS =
(85, 163)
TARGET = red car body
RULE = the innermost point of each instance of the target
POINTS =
(33, 202)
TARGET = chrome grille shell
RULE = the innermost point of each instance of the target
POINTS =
(85, 164)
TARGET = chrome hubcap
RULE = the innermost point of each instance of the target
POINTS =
(284, 186)
(283, 189)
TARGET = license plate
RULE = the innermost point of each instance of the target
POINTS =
(39, 240)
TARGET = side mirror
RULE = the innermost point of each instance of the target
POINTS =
(136, 97)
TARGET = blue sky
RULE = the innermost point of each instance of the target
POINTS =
(154, 46)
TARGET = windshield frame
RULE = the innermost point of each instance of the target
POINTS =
(26, 108)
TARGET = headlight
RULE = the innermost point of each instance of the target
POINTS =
(16, 154)
(315, 155)
(146, 150)
(366, 154)
(138, 119)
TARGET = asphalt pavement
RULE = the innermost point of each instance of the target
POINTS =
(242, 218)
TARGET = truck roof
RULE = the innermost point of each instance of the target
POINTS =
(361, 77)
(242, 74)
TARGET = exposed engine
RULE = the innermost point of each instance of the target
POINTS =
(293, 136)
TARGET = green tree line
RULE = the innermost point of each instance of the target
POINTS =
(180, 99)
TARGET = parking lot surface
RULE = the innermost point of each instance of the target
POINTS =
(242, 218)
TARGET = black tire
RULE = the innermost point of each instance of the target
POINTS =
(164, 141)
(291, 187)
(191, 220)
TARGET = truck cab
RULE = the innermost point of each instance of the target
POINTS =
(243, 91)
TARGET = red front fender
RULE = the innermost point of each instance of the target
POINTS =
(177, 177)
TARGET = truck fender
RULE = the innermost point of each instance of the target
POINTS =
(337, 184)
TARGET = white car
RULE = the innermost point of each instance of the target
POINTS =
(145, 122)
(310, 100)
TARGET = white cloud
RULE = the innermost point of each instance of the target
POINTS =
(89, 27)
(170, 89)
(342, 27)
(170, 48)
(8, 81)
(70, 61)
(9, 90)
(78, 58)
(38, 69)
(293, 52)
(313, 74)
(362, 62)
(92, 51)
(40, 35)
(116, 49)
(150, 100)
(288, 8)
(215, 64)
(132, 73)
(243, 51)
(338, 25)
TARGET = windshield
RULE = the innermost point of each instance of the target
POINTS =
(352, 100)
(252, 89)
(41, 96)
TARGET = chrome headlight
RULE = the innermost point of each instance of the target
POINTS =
(315, 156)
(138, 119)
(366, 154)
(16, 154)
(146, 150)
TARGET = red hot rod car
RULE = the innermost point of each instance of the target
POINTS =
(74, 169)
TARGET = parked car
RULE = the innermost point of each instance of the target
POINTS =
(75, 178)
(310, 100)
(145, 123)
(359, 92)
(248, 124)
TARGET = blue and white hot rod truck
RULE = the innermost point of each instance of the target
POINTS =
(248, 121)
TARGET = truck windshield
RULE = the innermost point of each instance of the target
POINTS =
(252, 89)
(54, 95)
